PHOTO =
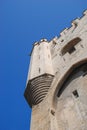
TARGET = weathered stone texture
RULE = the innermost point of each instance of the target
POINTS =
(64, 106)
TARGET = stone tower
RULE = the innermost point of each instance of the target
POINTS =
(57, 80)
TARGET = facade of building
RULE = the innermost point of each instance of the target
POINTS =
(57, 80)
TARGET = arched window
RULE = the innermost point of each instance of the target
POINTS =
(75, 74)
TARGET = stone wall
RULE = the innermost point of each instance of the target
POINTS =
(64, 106)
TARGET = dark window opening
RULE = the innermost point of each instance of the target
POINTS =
(39, 70)
(62, 40)
(85, 70)
(53, 112)
(70, 46)
(72, 50)
(75, 93)
(85, 74)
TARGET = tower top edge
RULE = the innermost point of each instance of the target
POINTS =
(74, 23)
(44, 40)
(38, 42)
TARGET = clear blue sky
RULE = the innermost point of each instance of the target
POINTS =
(23, 22)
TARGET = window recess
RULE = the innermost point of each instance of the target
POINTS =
(70, 47)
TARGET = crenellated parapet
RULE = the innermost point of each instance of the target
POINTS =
(56, 87)
(70, 43)
(51, 58)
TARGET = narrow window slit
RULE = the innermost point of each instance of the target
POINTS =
(62, 40)
(53, 112)
(75, 93)
(39, 70)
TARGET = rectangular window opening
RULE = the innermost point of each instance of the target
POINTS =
(75, 93)
(71, 50)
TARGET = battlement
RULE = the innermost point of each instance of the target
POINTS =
(76, 31)
(68, 34)
(51, 58)
(56, 86)
(75, 23)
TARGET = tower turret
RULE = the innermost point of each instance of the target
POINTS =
(40, 73)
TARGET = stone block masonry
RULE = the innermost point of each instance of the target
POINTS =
(57, 80)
